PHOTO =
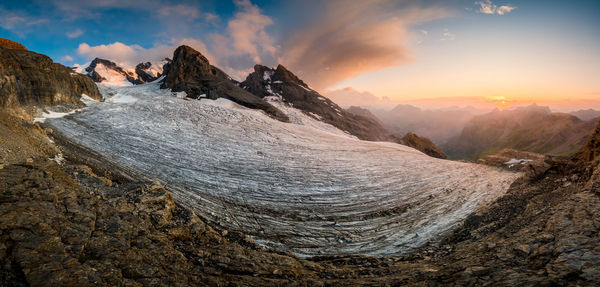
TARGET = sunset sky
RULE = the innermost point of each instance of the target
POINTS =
(379, 53)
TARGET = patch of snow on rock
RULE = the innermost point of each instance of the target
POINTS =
(267, 75)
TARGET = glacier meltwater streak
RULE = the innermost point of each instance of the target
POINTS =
(304, 186)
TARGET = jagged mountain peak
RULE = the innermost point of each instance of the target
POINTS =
(285, 75)
(109, 72)
(281, 84)
(278, 75)
(185, 53)
(191, 72)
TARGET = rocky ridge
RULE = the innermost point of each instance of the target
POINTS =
(192, 73)
(141, 74)
(281, 84)
(533, 129)
(30, 79)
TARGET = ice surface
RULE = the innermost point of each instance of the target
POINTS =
(304, 186)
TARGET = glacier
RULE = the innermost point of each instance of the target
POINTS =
(304, 186)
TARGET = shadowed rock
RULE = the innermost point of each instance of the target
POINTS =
(141, 71)
(192, 73)
(31, 79)
(423, 144)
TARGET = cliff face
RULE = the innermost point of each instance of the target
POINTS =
(31, 79)
(191, 72)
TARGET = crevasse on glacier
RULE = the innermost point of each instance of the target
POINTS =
(304, 186)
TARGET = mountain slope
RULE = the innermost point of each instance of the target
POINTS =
(281, 84)
(106, 71)
(191, 72)
(532, 128)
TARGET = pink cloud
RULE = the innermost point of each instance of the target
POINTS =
(348, 40)
(131, 55)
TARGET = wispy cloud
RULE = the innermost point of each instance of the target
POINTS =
(447, 36)
(180, 10)
(487, 7)
(348, 40)
(246, 41)
(74, 34)
(19, 22)
(67, 58)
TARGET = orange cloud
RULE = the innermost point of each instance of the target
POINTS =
(347, 40)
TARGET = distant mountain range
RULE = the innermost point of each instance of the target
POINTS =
(532, 128)
(437, 125)
(586, 115)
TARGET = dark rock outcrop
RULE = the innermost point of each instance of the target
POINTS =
(141, 70)
(31, 79)
(422, 144)
(192, 73)
(283, 84)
